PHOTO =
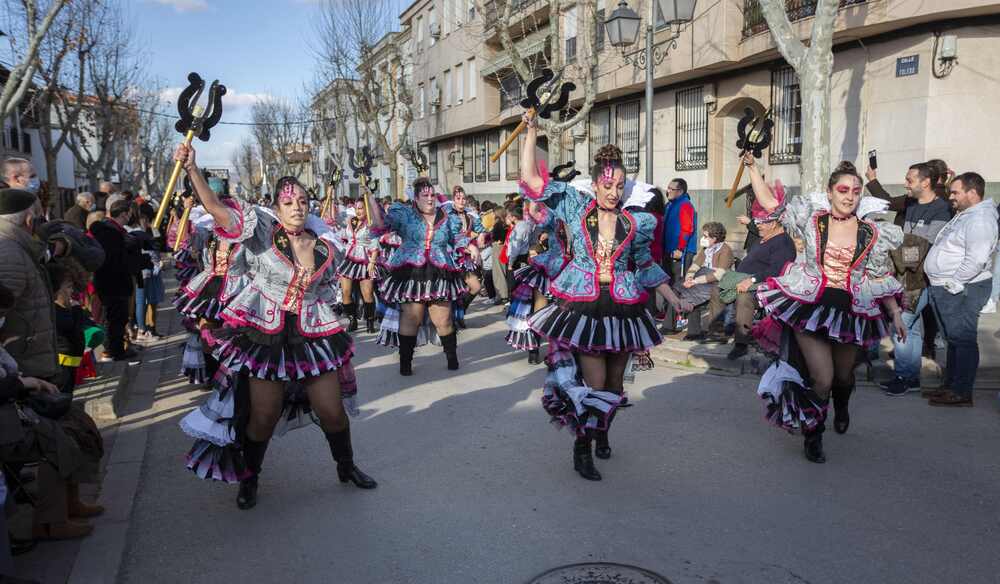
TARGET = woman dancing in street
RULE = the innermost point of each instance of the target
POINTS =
(600, 317)
(279, 328)
(359, 266)
(423, 277)
(472, 228)
(839, 295)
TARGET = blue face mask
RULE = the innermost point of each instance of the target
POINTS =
(33, 185)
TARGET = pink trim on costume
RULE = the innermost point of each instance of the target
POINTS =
(238, 215)
(543, 172)
(618, 252)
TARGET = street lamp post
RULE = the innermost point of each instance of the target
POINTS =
(623, 32)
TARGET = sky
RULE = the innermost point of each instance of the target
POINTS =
(256, 48)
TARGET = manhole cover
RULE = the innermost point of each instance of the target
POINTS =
(599, 573)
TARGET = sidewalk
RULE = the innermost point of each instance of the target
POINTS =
(120, 401)
(712, 358)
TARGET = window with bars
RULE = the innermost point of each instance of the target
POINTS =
(468, 146)
(600, 129)
(511, 92)
(627, 133)
(492, 145)
(432, 163)
(513, 158)
(481, 158)
(786, 104)
(692, 130)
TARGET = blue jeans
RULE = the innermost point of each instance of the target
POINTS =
(140, 309)
(958, 317)
(908, 354)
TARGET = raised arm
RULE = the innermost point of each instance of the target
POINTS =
(221, 213)
(761, 191)
(376, 217)
(529, 169)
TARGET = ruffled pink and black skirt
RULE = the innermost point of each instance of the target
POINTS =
(599, 326)
(283, 356)
(353, 270)
(829, 317)
(426, 283)
(205, 305)
(527, 280)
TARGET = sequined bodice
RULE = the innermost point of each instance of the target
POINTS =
(837, 264)
(605, 251)
(220, 261)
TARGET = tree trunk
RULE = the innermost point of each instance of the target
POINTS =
(815, 87)
(52, 177)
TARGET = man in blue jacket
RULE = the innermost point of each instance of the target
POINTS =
(680, 222)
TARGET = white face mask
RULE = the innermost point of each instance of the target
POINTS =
(706, 241)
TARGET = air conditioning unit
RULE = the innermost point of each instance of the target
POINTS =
(435, 30)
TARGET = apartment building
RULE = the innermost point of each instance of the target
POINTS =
(912, 79)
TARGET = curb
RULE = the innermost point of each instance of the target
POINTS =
(100, 556)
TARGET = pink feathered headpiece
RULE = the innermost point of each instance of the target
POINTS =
(762, 215)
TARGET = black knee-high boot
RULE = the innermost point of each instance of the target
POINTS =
(370, 316)
(841, 415)
(253, 456)
(583, 460)
(450, 344)
(343, 454)
(351, 310)
(406, 346)
(813, 444)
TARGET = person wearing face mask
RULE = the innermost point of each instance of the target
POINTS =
(702, 280)
(839, 296)
(599, 317)
(19, 173)
(77, 214)
(282, 341)
(424, 277)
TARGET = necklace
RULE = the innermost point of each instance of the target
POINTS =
(295, 233)
(842, 219)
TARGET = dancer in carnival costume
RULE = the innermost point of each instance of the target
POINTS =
(279, 328)
(472, 228)
(839, 296)
(600, 317)
(359, 266)
(201, 299)
(423, 276)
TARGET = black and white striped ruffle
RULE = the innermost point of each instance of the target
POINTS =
(597, 327)
(422, 284)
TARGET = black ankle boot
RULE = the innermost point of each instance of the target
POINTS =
(533, 357)
(841, 416)
(406, 345)
(253, 456)
(814, 444)
(583, 460)
(370, 316)
(343, 454)
(351, 310)
(450, 344)
(602, 448)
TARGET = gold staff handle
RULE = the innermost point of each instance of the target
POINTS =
(736, 185)
(513, 136)
(182, 229)
(368, 211)
(168, 193)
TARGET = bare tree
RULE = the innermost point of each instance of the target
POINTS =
(110, 110)
(281, 133)
(359, 51)
(583, 72)
(814, 66)
(29, 40)
(247, 162)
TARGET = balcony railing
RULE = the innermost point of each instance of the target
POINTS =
(753, 16)
(494, 10)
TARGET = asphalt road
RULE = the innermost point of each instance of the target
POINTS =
(477, 487)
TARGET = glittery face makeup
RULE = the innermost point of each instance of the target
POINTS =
(845, 196)
(610, 188)
(287, 193)
(608, 175)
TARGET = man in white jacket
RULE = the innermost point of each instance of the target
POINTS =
(958, 268)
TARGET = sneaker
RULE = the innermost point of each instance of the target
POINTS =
(990, 308)
(900, 387)
(951, 399)
(912, 383)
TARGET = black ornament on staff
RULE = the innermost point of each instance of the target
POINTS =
(546, 94)
(361, 164)
(195, 120)
(755, 141)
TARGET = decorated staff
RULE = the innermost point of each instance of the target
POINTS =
(182, 225)
(541, 104)
(756, 142)
(195, 120)
(361, 164)
(326, 210)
